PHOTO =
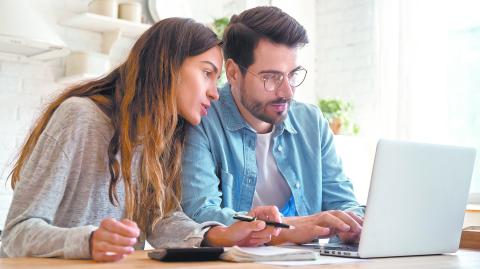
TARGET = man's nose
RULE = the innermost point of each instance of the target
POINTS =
(285, 90)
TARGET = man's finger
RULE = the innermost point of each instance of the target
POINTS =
(357, 218)
(266, 213)
(329, 220)
(320, 232)
(349, 220)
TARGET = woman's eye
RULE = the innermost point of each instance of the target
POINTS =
(207, 73)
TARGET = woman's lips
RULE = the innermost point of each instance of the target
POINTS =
(204, 110)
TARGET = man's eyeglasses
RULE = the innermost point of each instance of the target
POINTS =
(273, 80)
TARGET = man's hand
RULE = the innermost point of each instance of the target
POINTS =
(113, 240)
(346, 225)
(243, 233)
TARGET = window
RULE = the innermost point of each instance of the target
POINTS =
(429, 85)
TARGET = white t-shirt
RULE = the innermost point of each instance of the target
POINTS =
(271, 188)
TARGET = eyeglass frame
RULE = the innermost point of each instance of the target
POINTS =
(276, 73)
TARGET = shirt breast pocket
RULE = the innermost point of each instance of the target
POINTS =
(226, 182)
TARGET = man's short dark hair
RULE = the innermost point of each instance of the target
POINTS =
(244, 31)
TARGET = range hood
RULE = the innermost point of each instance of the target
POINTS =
(25, 36)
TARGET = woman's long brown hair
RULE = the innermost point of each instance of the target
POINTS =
(139, 97)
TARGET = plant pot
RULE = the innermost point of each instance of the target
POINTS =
(336, 126)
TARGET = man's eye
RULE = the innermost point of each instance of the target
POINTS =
(269, 76)
(294, 74)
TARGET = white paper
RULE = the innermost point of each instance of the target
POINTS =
(269, 250)
(270, 253)
(319, 260)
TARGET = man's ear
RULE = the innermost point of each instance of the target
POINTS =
(232, 71)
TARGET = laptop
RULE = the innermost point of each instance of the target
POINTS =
(416, 201)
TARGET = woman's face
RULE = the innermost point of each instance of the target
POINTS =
(197, 84)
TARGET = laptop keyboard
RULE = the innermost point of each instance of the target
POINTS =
(343, 247)
(339, 249)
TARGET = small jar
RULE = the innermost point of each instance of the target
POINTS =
(104, 7)
(130, 11)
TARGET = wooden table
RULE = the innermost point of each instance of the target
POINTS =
(462, 259)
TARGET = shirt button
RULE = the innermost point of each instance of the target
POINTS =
(297, 185)
(280, 148)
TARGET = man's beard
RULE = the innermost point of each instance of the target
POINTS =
(257, 108)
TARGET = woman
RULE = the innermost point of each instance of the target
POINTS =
(111, 149)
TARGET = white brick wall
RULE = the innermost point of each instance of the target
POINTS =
(345, 55)
(345, 70)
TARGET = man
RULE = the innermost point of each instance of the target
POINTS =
(259, 147)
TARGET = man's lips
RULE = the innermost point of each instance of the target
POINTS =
(279, 107)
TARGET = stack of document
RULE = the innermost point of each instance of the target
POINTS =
(270, 253)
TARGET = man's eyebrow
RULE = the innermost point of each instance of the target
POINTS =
(296, 68)
(215, 68)
(269, 71)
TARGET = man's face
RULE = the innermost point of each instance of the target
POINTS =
(271, 61)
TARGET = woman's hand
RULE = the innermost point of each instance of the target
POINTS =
(243, 233)
(113, 240)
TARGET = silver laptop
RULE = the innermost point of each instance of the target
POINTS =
(416, 202)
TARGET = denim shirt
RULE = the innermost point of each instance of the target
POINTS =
(220, 168)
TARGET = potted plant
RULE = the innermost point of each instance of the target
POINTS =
(338, 114)
(218, 26)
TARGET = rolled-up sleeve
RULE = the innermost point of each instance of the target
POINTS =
(337, 188)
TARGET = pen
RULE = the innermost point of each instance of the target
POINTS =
(269, 223)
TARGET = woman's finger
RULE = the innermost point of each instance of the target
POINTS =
(265, 233)
(114, 238)
(102, 246)
(104, 257)
(118, 227)
(267, 213)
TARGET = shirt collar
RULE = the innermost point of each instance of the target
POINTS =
(232, 116)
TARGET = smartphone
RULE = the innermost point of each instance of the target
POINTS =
(186, 254)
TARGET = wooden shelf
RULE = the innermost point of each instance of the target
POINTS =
(112, 29)
(104, 24)
(77, 78)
